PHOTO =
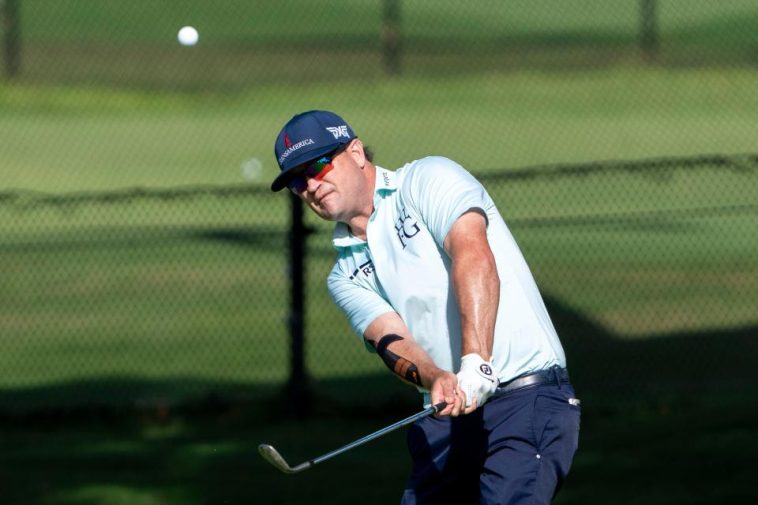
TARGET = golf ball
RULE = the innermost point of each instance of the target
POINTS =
(188, 36)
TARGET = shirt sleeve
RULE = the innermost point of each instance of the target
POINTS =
(442, 191)
(361, 305)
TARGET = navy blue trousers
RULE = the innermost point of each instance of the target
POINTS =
(516, 449)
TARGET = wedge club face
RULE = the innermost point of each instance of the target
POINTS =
(272, 456)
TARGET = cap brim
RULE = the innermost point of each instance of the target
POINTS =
(281, 180)
(284, 176)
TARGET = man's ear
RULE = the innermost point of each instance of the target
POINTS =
(356, 151)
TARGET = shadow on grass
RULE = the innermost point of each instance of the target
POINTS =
(686, 365)
(673, 421)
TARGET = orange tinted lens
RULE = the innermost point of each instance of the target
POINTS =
(324, 170)
(314, 168)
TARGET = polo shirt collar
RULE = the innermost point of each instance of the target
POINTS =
(343, 239)
(385, 184)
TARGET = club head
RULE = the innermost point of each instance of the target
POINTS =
(272, 456)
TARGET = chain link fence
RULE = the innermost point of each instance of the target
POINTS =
(648, 269)
(242, 43)
(144, 260)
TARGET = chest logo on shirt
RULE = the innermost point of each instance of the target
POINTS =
(406, 228)
(366, 268)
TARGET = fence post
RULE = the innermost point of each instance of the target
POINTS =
(391, 36)
(297, 390)
(11, 26)
(649, 42)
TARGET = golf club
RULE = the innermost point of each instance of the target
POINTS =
(271, 455)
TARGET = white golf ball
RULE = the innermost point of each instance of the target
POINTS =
(188, 36)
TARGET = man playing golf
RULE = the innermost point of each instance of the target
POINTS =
(431, 278)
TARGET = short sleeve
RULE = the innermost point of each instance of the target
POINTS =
(442, 191)
(361, 305)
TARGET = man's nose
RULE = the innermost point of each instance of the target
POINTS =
(312, 184)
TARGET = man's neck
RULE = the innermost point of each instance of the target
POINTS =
(358, 224)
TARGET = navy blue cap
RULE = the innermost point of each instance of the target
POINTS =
(306, 137)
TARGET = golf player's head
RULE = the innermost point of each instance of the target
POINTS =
(324, 163)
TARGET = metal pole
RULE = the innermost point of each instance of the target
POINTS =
(649, 42)
(297, 390)
(391, 36)
(11, 26)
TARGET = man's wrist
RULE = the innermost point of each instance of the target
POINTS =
(432, 373)
(473, 362)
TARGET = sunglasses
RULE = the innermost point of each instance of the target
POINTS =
(316, 169)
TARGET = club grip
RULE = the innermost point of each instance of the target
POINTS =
(439, 407)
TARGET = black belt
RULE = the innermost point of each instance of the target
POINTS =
(554, 375)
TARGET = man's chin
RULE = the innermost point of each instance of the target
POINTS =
(326, 204)
(326, 211)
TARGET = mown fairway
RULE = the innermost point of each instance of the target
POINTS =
(62, 139)
(144, 274)
(108, 99)
(683, 455)
(191, 291)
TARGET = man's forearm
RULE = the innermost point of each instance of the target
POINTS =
(402, 367)
(406, 359)
(441, 384)
(477, 291)
(394, 343)
(475, 282)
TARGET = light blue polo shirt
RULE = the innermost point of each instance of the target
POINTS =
(402, 267)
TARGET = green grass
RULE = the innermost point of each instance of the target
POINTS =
(642, 253)
(246, 44)
(148, 333)
(60, 139)
(240, 22)
(672, 454)
(175, 298)
(96, 105)
(187, 296)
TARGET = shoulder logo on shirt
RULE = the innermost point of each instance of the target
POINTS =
(406, 228)
(338, 131)
(366, 268)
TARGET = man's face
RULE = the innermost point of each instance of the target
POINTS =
(339, 192)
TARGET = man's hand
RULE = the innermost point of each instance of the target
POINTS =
(445, 388)
(477, 380)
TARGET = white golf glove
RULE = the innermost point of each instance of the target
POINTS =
(477, 379)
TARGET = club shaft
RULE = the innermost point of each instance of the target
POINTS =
(408, 420)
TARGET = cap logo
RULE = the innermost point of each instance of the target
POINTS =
(293, 148)
(287, 142)
(338, 131)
